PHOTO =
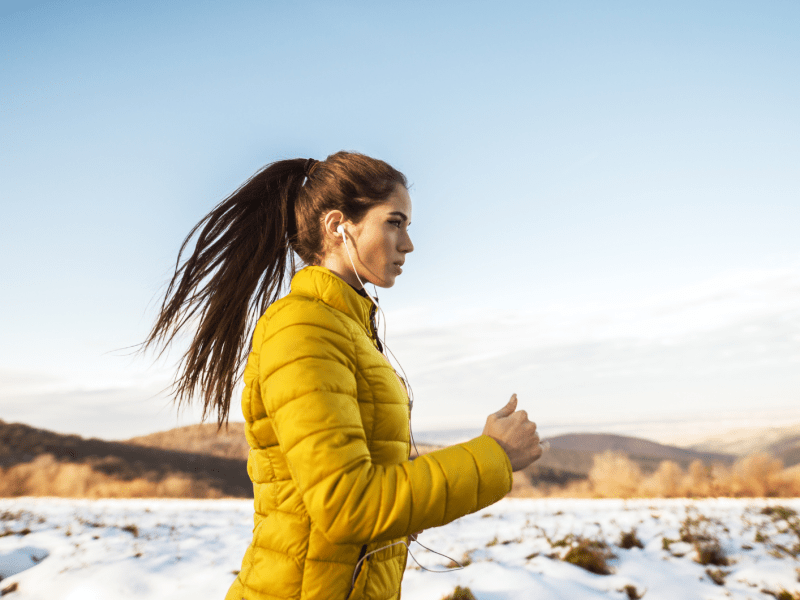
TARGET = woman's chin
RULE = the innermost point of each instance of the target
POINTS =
(386, 282)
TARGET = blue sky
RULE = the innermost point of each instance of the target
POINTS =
(606, 195)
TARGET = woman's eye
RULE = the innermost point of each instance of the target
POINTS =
(396, 223)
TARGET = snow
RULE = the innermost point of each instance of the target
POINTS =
(174, 549)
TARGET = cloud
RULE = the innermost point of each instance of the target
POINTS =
(727, 344)
(95, 405)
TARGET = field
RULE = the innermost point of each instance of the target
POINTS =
(542, 549)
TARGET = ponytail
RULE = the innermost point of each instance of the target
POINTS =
(242, 256)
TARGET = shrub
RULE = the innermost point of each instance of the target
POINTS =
(711, 554)
(47, 476)
(7, 515)
(693, 529)
(717, 575)
(465, 561)
(460, 594)
(782, 513)
(628, 540)
(666, 482)
(564, 542)
(779, 512)
(757, 475)
(632, 592)
(782, 594)
(591, 555)
(614, 475)
(8, 532)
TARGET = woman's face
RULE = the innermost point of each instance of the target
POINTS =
(378, 244)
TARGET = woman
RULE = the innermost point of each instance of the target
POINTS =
(327, 418)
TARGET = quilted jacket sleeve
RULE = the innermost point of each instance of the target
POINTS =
(308, 378)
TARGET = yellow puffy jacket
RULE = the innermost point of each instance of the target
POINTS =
(328, 428)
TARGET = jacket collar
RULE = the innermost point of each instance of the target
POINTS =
(321, 283)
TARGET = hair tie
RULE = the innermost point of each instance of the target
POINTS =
(309, 166)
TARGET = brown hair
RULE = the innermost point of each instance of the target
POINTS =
(241, 257)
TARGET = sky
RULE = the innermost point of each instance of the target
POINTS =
(606, 197)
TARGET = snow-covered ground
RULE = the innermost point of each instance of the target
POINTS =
(175, 549)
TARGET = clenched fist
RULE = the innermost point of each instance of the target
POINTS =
(516, 435)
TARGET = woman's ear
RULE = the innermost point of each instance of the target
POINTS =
(330, 225)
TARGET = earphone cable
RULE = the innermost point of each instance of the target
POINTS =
(410, 394)
(406, 382)
(445, 570)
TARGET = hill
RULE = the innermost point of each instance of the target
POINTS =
(571, 456)
(787, 449)
(228, 442)
(40, 462)
(198, 461)
(781, 442)
(646, 452)
(569, 459)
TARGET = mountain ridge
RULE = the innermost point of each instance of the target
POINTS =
(212, 462)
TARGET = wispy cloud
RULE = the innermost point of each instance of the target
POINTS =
(707, 353)
(91, 404)
(727, 344)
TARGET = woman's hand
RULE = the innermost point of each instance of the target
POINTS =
(515, 434)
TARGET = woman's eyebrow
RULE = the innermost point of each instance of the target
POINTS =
(397, 213)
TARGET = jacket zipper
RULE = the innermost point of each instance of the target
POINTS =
(374, 328)
(358, 570)
(374, 332)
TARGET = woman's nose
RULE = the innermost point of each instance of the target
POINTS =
(407, 246)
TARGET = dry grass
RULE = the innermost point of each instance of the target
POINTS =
(591, 555)
(465, 561)
(41, 463)
(460, 594)
(628, 540)
(37, 462)
(614, 475)
(46, 476)
(782, 594)
(717, 575)
(788, 522)
(632, 592)
(7, 532)
(711, 554)
(699, 531)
